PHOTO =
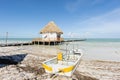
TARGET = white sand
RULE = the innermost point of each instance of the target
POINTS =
(101, 62)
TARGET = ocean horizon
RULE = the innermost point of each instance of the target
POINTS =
(16, 40)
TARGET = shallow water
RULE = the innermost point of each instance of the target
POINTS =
(109, 51)
(97, 49)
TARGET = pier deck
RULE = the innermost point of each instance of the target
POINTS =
(46, 42)
(40, 41)
(15, 44)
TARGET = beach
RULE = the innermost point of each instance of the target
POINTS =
(59, 39)
(101, 61)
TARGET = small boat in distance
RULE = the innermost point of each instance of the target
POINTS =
(64, 64)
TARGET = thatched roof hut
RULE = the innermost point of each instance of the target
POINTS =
(51, 33)
(51, 27)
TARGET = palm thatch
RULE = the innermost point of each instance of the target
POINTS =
(51, 27)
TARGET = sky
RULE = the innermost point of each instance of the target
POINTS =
(76, 18)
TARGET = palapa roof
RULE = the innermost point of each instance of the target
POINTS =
(51, 27)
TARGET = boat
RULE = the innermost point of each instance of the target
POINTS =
(64, 64)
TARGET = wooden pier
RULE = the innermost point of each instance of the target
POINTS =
(39, 41)
(75, 40)
(15, 44)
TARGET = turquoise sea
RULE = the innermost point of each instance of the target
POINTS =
(14, 40)
(97, 39)
(98, 49)
(104, 40)
(107, 49)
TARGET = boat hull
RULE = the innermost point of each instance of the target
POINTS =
(65, 67)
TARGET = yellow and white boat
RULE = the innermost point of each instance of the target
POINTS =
(63, 64)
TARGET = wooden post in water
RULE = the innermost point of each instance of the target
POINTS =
(6, 38)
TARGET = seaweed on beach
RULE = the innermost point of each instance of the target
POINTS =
(35, 69)
(81, 76)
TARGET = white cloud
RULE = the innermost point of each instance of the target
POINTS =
(74, 5)
(108, 23)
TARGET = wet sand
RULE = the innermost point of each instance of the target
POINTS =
(30, 68)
